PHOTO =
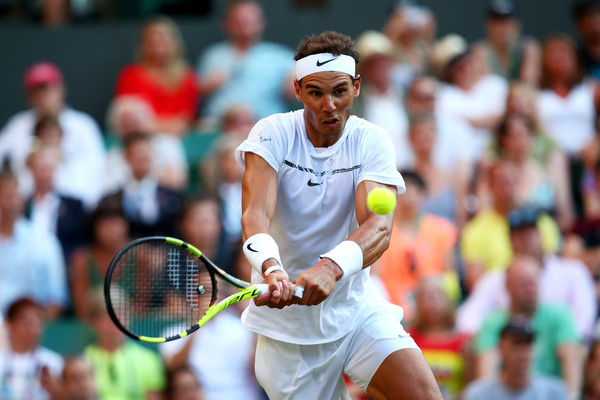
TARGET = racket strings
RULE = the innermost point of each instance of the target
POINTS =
(160, 290)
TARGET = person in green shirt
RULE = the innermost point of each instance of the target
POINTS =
(557, 345)
(123, 369)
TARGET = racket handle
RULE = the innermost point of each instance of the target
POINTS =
(262, 288)
(299, 291)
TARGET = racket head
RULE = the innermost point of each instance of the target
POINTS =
(157, 288)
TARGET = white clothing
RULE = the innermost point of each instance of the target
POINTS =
(32, 265)
(387, 111)
(168, 154)
(568, 121)
(315, 212)
(140, 201)
(82, 148)
(231, 200)
(20, 373)
(221, 356)
(486, 99)
(44, 212)
(289, 371)
(563, 281)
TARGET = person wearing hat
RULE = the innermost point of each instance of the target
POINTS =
(515, 380)
(81, 144)
(556, 351)
(564, 281)
(505, 51)
(380, 102)
(475, 98)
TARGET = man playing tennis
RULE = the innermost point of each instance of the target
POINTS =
(307, 176)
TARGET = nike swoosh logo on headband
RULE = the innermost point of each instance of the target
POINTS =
(319, 63)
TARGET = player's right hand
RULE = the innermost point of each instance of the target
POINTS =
(281, 291)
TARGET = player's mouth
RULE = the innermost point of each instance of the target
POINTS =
(331, 122)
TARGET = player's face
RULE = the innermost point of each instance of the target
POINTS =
(327, 98)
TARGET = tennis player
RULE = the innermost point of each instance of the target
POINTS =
(306, 223)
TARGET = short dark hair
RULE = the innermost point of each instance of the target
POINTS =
(18, 306)
(520, 328)
(44, 122)
(133, 138)
(327, 42)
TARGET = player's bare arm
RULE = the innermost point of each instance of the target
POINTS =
(259, 198)
(372, 236)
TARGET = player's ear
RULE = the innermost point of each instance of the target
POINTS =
(297, 90)
(356, 85)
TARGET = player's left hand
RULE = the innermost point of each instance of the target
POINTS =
(318, 282)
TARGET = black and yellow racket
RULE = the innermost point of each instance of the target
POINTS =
(159, 289)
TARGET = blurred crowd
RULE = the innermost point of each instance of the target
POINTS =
(495, 251)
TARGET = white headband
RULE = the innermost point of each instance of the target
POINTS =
(325, 62)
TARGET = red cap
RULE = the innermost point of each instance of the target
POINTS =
(43, 73)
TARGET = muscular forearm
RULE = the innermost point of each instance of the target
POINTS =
(373, 237)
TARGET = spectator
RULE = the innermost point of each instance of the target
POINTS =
(182, 384)
(122, 369)
(223, 178)
(238, 120)
(446, 190)
(108, 233)
(411, 27)
(149, 207)
(515, 380)
(31, 260)
(78, 380)
(568, 102)
(521, 101)
(505, 51)
(562, 281)
(478, 100)
(536, 184)
(26, 367)
(587, 19)
(485, 242)
(81, 143)
(199, 223)
(446, 351)
(129, 115)
(556, 351)
(162, 77)
(221, 354)
(48, 208)
(380, 102)
(420, 247)
(245, 69)
(451, 148)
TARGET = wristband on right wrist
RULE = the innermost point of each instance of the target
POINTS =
(348, 256)
(259, 248)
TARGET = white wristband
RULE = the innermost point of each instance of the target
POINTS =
(259, 248)
(348, 256)
(273, 269)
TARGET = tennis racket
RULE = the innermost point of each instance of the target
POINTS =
(158, 289)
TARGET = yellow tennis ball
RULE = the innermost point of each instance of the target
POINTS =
(381, 200)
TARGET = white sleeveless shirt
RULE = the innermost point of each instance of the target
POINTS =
(569, 121)
(315, 212)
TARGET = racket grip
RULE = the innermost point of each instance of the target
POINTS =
(262, 288)
(299, 291)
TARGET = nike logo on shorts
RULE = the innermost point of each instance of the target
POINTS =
(319, 63)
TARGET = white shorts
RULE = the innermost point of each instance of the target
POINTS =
(288, 371)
